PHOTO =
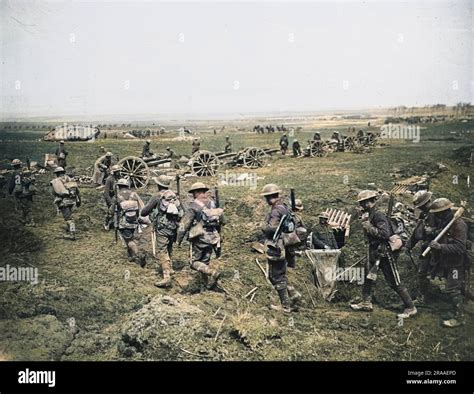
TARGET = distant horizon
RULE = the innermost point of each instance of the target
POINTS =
(209, 115)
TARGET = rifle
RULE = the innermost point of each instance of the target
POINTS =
(279, 229)
(411, 259)
(219, 228)
(116, 214)
(292, 199)
(178, 184)
(457, 215)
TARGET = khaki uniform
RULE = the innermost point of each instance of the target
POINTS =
(66, 196)
(452, 260)
(166, 222)
(23, 190)
(61, 153)
(203, 222)
(195, 147)
(323, 237)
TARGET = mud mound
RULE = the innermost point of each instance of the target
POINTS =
(42, 338)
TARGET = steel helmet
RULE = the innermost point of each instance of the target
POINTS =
(123, 182)
(421, 197)
(162, 180)
(270, 189)
(148, 141)
(197, 186)
(324, 215)
(16, 162)
(115, 168)
(366, 195)
(108, 154)
(59, 169)
(440, 204)
(61, 142)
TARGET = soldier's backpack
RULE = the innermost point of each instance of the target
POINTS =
(130, 211)
(399, 236)
(289, 235)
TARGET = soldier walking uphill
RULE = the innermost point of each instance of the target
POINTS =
(165, 212)
(276, 251)
(284, 144)
(61, 153)
(379, 233)
(66, 193)
(424, 232)
(21, 185)
(449, 257)
(109, 194)
(101, 168)
(202, 220)
(126, 210)
(228, 145)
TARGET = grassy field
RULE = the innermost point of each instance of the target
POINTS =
(91, 304)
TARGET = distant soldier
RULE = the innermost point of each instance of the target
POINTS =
(323, 235)
(146, 149)
(284, 144)
(170, 153)
(165, 212)
(317, 137)
(335, 137)
(296, 148)
(196, 145)
(61, 153)
(109, 194)
(102, 150)
(228, 145)
(66, 193)
(126, 210)
(449, 258)
(202, 220)
(101, 168)
(423, 232)
(21, 185)
(378, 230)
(276, 250)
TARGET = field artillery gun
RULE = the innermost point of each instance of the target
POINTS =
(206, 163)
(138, 170)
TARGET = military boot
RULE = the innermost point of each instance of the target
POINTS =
(365, 305)
(166, 266)
(213, 279)
(284, 300)
(295, 296)
(71, 230)
(458, 316)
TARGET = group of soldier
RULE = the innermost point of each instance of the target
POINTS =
(200, 221)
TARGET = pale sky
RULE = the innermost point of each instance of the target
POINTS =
(154, 57)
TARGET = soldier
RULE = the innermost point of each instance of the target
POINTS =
(449, 257)
(323, 235)
(195, 146)
(66, 193)
(21, 185)
(101, 168)
(202, 220)
(296, 148)
(284, 144)
(170, 153)
(126, 209)
(424, 231)
(146, 150)
(317, 137)
(277, 252)
(378, 230)
(228, 145)
(335, 137)
(109, 194)
(302, 234)
(165, 212)
(102, 150)
(61, 153)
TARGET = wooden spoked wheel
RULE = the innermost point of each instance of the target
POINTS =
(135, 170)
(254, 157)
(204, 163)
